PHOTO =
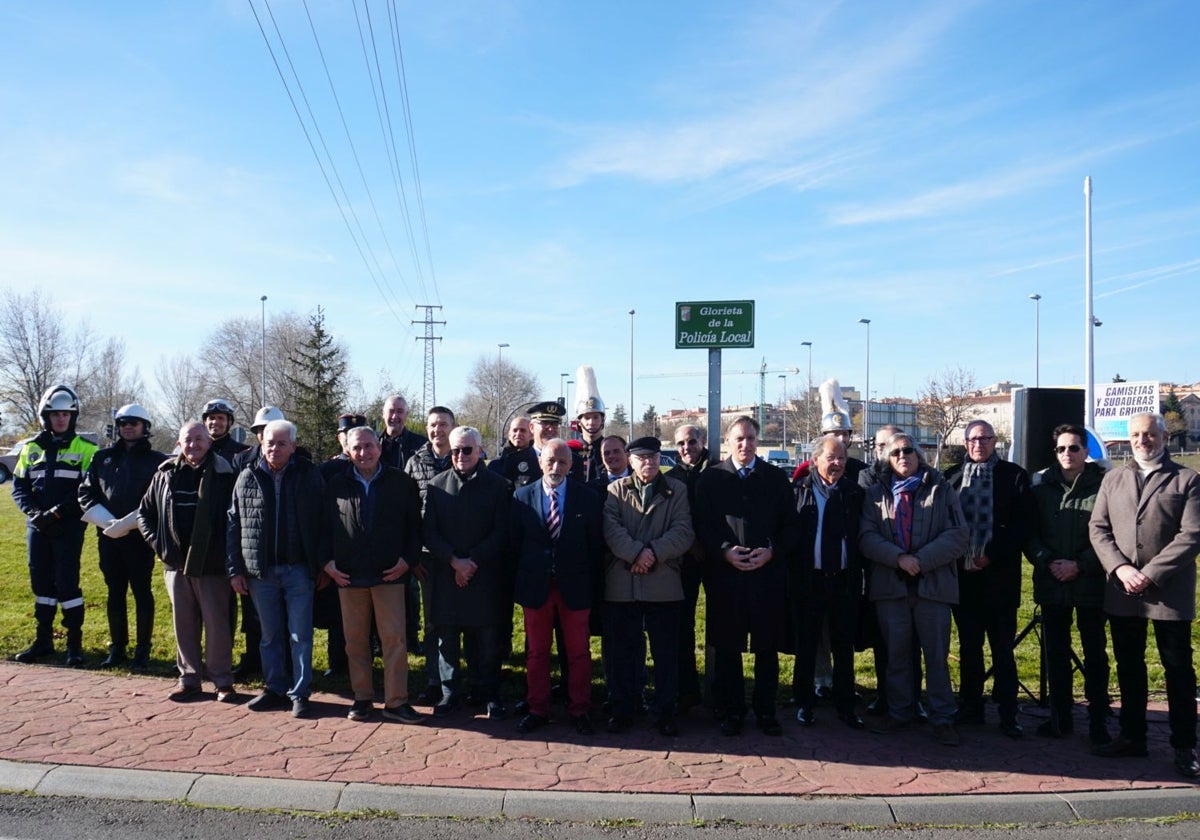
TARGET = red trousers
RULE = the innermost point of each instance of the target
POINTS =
(539, 633)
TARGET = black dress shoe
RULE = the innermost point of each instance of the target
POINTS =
(731, 725)
(922, 714)
(804, 716)
(878, 706)
(115, 658)
(1012, 729)
(969, 716)
(268, 700)
(531, 723)
(430, 696)
(1186, 764)
(769, 726)
(521, 707)
(1121, 747)
(617, 724)
(583, 724)
(852, 720)
(667, 728)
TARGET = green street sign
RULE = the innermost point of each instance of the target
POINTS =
(714, 324)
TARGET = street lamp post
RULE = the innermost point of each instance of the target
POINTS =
(632, 312)
(784, 405)
(1037, 339)
(561, 388)
(808, 395)
(263, 299)
(499, 399)
(867, 396)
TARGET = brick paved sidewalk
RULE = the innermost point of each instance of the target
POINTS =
(90, 718)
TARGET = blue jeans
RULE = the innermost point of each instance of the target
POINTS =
(284, 600)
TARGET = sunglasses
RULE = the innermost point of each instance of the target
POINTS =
(902, 450)
(1074, 447)
(128, 421)
(462, 450)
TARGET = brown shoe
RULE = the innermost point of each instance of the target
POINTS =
(184, 693)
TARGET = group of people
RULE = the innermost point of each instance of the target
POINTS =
(592, 537)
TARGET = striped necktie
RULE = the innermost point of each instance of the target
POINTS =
(554, 520)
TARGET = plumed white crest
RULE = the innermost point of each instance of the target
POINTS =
(587, 396)
(835, 411)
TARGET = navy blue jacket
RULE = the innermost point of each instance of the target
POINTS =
(574, 561)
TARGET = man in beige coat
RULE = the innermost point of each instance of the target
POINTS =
(1145, 528)
(648, 529)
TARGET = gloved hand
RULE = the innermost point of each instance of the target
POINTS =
(44, 521)
(120, 527)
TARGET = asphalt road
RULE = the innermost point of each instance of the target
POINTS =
(53, 818)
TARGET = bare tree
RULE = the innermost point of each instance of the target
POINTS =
(105, 383)
(946, 401)
(179, 388)
(34, 353)
(495, 384)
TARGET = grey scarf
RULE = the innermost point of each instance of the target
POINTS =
(976, 498)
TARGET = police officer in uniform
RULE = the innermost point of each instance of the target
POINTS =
(521, 466)
(109, 495)
(46, 488)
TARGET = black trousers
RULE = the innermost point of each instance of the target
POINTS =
(730, 687)
(824, 597)
(54, 577)
(977, 617)
(1174, 640)
(1056, 627)
(127, 565)
(689, 675)
(623, 627)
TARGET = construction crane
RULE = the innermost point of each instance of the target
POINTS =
(761, 373)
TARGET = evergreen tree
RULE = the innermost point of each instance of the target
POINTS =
(619, 419)
(319, 389)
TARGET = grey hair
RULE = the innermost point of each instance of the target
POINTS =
(361, 431)
(701, 435)
(286, 425)
(908, 440)
(1158, 419)
(823, 442)
(553, 442)
(973, 424)
(460, 432)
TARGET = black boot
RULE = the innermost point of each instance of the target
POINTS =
(74, 649)
(116, 657)
(141, 657)
(43, 645)
(145, 626)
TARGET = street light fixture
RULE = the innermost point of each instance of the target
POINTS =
(499, 400)
(867, 396)
(1037, 339)
(562, 394)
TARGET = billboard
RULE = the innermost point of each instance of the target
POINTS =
(1116, 402)
(714, 324)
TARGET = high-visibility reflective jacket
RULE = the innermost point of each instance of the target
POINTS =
(48, 473)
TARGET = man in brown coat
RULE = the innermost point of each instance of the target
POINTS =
(1146, 529)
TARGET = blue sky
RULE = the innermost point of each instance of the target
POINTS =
(919, 164)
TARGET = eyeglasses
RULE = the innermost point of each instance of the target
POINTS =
(1074, 447)
(462, 450)
(980, 440)
(902, 450)
(689, 442)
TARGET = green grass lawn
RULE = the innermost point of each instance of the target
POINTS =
(16, 624)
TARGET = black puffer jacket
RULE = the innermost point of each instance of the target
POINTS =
(253, 543)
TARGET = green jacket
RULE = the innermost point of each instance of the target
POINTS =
(1060, 530)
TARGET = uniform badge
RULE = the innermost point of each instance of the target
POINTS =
(523, 466)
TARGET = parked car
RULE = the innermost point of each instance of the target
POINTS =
(8, 461)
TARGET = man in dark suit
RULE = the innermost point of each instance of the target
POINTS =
(744, 517)
(557, 542)
(998, 506)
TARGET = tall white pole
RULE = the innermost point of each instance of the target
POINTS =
(808, 395)
(867, 395)
(632, 312)
(499, 397)
(264, 349)
(1037, 340)
(1089, 353)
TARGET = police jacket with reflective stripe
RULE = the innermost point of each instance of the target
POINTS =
(48, 473)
